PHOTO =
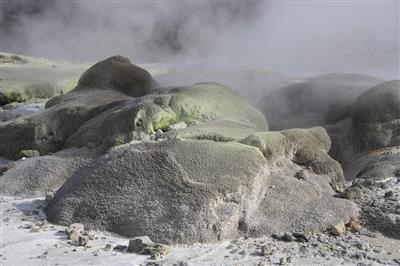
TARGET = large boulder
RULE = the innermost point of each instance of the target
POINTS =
(367, 143)
(378, 105)
(33, 177)
(156, 112)
(180, 164)
(321, 100)
(49, 130)
(117, 73)
(187, 191)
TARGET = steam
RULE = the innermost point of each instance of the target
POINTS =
(292, 37)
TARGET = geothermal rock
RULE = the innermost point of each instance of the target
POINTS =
(367, 143)
(221, 176)
(186, 191)
(321, 100)
(34, 177)
(13, 110)
(117, 73)
(48, 131)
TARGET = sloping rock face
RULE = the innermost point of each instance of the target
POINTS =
(182, 165)
(367, 143)
(321, 100)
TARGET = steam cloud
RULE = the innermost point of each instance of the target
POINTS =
(293, 37)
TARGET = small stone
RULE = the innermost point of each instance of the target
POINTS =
(264, 250)
(352, 193)
(27, 226)
(301, 175)
(158, 250)
(35, 229)
(139, 244)
(354, 226)
(28, 154)
(338, 229)
(77, 227)
(120, 248)
(49, 195)
(287, 237)
(243, 252)
(83, 241)
(302, 237)
(109, 246)
(91, 234)
(180, 125)
(74, 231)
(389, 194)
(74, 236)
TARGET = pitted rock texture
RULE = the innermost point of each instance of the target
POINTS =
(180, 164)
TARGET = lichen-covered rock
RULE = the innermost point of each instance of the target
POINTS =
(203, 102)
(47, 131)
(321, 100)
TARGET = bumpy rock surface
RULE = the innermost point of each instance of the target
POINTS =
(181, 165)
(380, 204)
(367, 143)
(321, 100)
(49, 130)
(33, 177)
(187, 191)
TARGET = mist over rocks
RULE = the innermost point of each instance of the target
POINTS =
(367, 143)
(250, 82)
(318, 101)
(26, 78)
(220, 174)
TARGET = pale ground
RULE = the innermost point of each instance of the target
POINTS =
(50, 246)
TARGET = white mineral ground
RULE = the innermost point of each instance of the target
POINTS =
(49, 246)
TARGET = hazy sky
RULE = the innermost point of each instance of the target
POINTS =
(290, 36)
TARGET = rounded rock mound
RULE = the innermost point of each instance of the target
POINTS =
(379, 104)
(321, 100)
(117, 73)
